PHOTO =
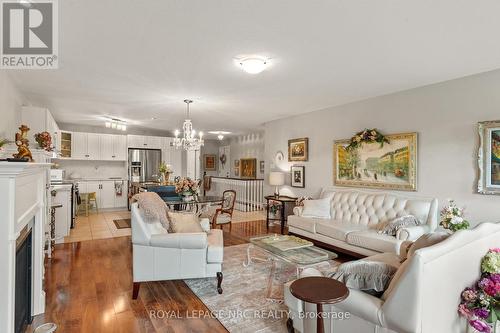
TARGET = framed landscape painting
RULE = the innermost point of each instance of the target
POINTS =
(248, 168)
(391, 166)
(210, 162)
(298, 150)
(489, 157)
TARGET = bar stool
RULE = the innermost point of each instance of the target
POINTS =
(86, 200)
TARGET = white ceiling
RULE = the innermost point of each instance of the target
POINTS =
(139, 59)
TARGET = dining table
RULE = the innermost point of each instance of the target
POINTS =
(197, 204)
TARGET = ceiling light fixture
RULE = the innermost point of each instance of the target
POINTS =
(117, 124)
(253, 65)
(220, 137)
(188, 140)
(219, 132)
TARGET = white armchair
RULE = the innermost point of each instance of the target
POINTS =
(158, 255)
(422, 297)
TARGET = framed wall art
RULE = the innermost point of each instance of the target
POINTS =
(298, 150)
(297, 174)
(391, 165)
(248, 168)
(489, 157)
(210, 162)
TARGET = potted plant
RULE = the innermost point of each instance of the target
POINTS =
(452, 217)
(187, 188)
(3, 142)
(165, 170)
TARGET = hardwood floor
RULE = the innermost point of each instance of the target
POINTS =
(89, 289)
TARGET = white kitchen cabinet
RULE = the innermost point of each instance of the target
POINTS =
(61, 194)
(120, 148)
(113, 147)
(135, 141)
(85, 146)
(107, 194)
(141, 141)
(153, 142)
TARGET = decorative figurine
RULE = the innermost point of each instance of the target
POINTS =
(22, 143)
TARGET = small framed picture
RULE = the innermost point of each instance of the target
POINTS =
(261, 166)
(298, 150)
(210, 162)
(237, 172)
(298, 176)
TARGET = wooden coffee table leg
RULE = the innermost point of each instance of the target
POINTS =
(320, 327)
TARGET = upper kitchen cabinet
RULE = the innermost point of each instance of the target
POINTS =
(85, 146)
(40, 120)
(141, 141)
(113, 147)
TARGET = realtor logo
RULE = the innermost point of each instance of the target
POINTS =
(29, 34)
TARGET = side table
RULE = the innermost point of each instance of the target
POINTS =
(319, 290)
(283, 200)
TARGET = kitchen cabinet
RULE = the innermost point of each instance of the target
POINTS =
(141, 141)
(113, 147)
(85, 146)
(105, 192)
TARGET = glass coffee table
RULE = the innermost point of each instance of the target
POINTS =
(293, 250)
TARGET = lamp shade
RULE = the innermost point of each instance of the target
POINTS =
(276, 178)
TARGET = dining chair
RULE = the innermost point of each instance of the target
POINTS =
(224, 214)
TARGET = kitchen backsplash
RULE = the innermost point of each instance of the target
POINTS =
(93, 169)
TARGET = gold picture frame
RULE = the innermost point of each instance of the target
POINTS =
(298, 150)
(248, 168)
(210, 162)
(392, 166)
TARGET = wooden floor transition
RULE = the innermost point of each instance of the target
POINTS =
(89, 289)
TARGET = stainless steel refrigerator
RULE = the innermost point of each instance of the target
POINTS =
(143, 164)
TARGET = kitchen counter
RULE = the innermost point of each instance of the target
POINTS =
(96, 179)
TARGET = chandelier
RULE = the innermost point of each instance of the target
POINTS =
(188, 141)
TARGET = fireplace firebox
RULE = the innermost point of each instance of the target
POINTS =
(22, 315)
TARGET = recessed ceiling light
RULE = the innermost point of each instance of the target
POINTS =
(253, 65)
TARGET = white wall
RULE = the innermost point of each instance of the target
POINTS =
(11, 101)
(248, 146)
(445, 116)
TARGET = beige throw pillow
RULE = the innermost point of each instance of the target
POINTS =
(153, 208)
(427, 240)
(184, 223)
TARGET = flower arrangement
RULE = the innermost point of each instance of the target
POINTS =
(367, 136)
(274, 207)
(452, 217)
(44, 140)
(480, 305)
(165, 168)
(186, 187)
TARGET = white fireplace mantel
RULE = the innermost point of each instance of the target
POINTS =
(23, 196)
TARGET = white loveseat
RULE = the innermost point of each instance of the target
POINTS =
(354, 217)
(422, 297)
(159, 255)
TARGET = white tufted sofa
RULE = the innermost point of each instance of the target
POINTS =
(355, 215)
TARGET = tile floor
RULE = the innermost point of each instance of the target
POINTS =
(100, 225)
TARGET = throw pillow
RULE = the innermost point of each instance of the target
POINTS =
(184, 223)
(392, 227)
(370, 276)
(427, 240)
(319, 208)
(153, 208)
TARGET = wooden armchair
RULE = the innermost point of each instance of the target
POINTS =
(224, 214)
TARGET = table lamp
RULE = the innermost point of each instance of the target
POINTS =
(277, 179)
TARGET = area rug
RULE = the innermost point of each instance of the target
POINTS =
(122, 223)
(244, 306)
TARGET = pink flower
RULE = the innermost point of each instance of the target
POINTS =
(464, 311)
(496, 249)
(469, 295)
(480, 326)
